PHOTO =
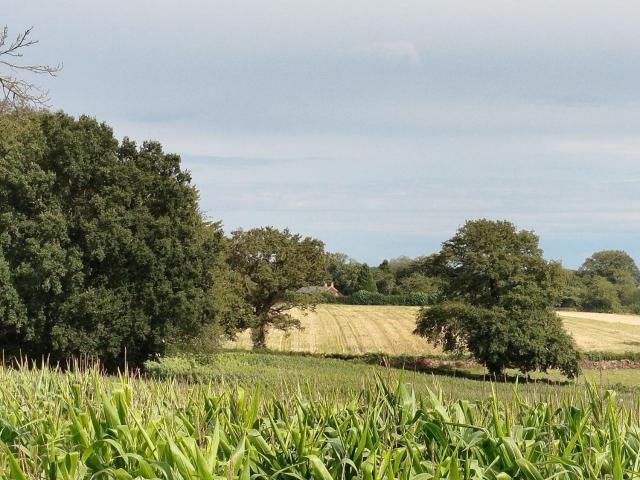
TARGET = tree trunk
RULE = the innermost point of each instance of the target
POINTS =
(259, 337)
(495, 371)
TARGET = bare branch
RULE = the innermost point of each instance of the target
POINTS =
(15, 90)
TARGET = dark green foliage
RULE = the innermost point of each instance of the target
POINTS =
(272, 263)
(600, 295)
(617, 266)
(344, 272)
(500, 338)
(500, 296)
(612, 279)
(490, 263)
(403, 275)
(385, 278)
(573, 291)
(607, 282)
(596, 356)
(417, 282)
(398, 277)
(363, 297)
(102, 246)
(365, 279)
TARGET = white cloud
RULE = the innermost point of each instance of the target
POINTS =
(397, 50)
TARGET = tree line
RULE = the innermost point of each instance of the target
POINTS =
(104, 252)
(608, 282)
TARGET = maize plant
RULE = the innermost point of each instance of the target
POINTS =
(83, 425)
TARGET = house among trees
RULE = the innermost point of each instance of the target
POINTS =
(328, 287)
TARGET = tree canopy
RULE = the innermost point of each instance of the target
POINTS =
(102, 245)
(608, 281)
(348, 275)
(499, 299)
(616, 266)
(271, 263)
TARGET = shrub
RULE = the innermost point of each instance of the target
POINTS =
(363, 297)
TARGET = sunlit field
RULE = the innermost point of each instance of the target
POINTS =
(358, 329)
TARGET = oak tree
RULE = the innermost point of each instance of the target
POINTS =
(499, 298)
(272, 263)
(103, 248)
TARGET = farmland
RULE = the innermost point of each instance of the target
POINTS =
(356, 329)
(83, 425)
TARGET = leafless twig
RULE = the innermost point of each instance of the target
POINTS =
(17, 91)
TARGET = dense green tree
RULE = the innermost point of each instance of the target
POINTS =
(402, 266)
(102, 246)
(617, 266)
(385, 278)
(365, 279)
(424, 265)
(272, 263)
(574, 290)
(629, 295)
(600, 295)
(404, 276)
(344, 272)
(500, 294)
(417, 282)
(613, 279)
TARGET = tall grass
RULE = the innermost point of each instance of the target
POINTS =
(80, 424)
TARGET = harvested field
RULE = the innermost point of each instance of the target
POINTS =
(358, 329)
(603, 335)
(603, 317)
(352, 329)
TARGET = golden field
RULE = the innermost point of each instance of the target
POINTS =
(357, 329)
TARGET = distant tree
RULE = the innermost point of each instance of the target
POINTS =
(630, 298)
(344, 272)
(384, 277)
(500, 295)
(102, 245)
(272, 263)
(16, 89)
(402, 266)
(600, 295)
(417, 282)
(404, 275)
(615, 265)
(620, 272)
(573, 291)
(365, 279)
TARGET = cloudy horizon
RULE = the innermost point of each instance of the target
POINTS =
(378, 127)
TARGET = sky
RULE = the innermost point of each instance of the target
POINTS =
(376, 126)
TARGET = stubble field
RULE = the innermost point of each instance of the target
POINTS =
(359, 329)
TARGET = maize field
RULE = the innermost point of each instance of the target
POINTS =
(83, 425)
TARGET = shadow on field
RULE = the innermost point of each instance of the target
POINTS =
(457, 369)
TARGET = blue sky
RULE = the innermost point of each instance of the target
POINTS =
(379, 127)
